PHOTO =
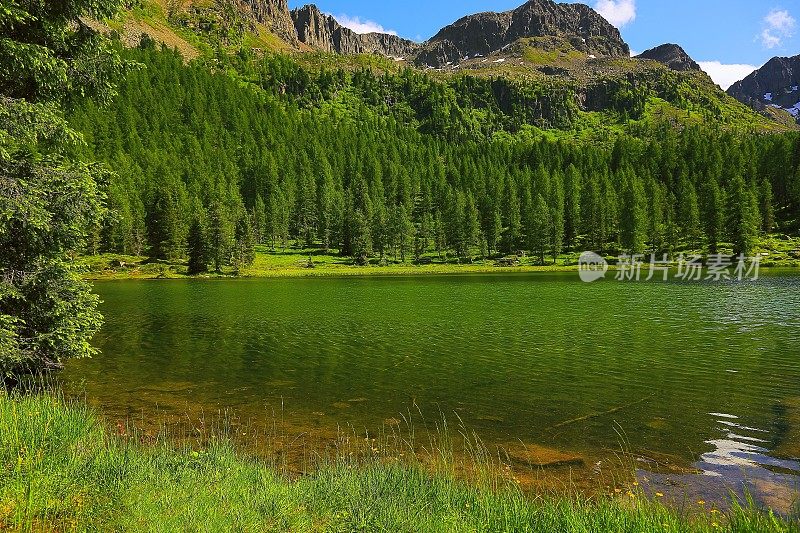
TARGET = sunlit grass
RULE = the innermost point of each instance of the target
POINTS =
(781, 251)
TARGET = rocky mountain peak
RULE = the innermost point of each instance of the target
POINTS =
(776, 85)
(671, 55)
(484, 33)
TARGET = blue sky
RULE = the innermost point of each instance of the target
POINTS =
(729, 37)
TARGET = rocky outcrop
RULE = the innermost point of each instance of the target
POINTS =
(321, 31)
(776, 85)
(489, 32)
(274, 14)
(671, 55)
(577, 24)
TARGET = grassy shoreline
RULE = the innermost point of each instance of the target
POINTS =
(62, 469)
(295, 263)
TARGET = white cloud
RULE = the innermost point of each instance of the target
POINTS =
(779, 24)
(361, 26)
(780, 20)
(617, 12)
(726, 75)
(634, 54)
(769, 40)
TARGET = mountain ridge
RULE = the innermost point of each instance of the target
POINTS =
(322, 31)
(773, 88)
(561, 48)
(483, 33)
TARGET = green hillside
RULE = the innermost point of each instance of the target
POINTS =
(264, 150)
(588, 97)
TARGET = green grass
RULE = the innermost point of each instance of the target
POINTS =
(294, 263)
(781, 251)
(61, 470)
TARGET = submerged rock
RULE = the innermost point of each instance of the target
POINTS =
(535, 455)
(787, 429)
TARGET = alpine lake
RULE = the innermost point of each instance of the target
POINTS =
(689, 389)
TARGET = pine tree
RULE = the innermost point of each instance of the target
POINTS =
(493, 225)
(657, 219)
(689, 213)
(278, 217)
(743, 217)
(572, 206)
(556, 204)
(48, 202)
(327, 210)
(362, 238)
(405, 230)
(422, 235)
(259, 220)
(379, 230)
(591, 212)
(513, 219)
(540, 228)
(196, 246)
(633, 226)
(767, 205)
(220, 234)
(713, 214)
(168, 227)
(244, 251)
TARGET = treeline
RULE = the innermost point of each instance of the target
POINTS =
(207, 164)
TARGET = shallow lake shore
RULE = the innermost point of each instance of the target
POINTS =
(66, 470)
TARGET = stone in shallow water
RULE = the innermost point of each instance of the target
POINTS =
(358, 400)
(777, 496)
(541, 456)
(658, 423)
(788, 441)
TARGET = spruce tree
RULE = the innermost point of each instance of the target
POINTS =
(49, 201)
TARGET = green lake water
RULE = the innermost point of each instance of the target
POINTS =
(684, 377)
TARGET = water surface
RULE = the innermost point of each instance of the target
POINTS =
(699, 383)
